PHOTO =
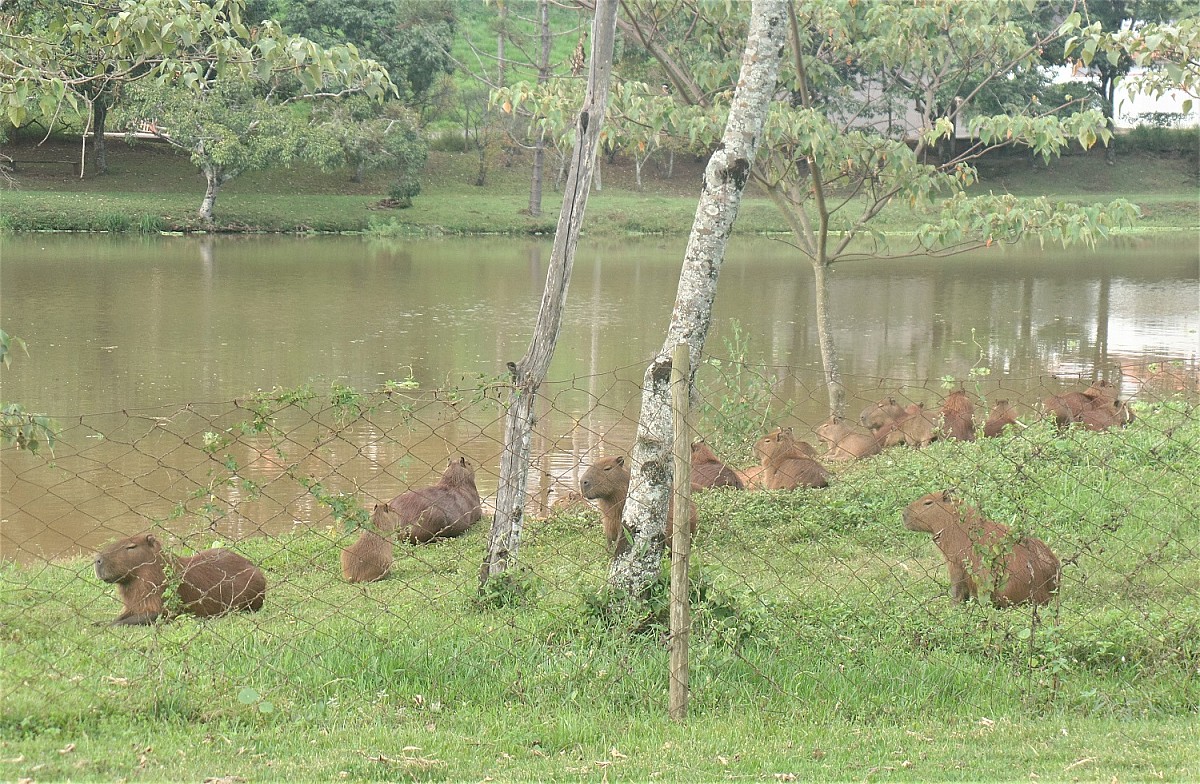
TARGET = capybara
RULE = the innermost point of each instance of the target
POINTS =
(369, 558)
(958, 416)
(751, 477)
(569, 501)
(787, 463)
(1003, 414)
(916, 428)
(982, 554)
(607, 483)
(212, 582)
(709, 471)
(881, 413)
(1070, 406)
(843, 444)
(1104, 413)
(447, 508)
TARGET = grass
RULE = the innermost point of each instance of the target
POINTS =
(824, 645)
(151, 186)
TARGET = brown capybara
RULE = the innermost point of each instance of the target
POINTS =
(751, 477)
(1003, 414)
(917, 427)
(881, 413)
(1103, 414)
(607, 483)
(369, 558)
(569, 501)
(982, 554)
(787, 463)
(958, 416)
(1070, 406)
(212, 582)
(843, 444)
(709, 471)
(447, 508)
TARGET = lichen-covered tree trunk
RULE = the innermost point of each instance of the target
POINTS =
(829, 357)
(528, 374)
(635, 568)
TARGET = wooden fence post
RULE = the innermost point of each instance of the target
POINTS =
(681, 537)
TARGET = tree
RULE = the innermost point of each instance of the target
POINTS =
(376, 136)
(189, 43)
(411, 38)
(529, 373)
(873, 88)
(633, 570)
(1102, 74)
(228, 128)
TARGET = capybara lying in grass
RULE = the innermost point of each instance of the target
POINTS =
(607, 483)
(788, 463)
(958, 416)
(844, 444)
(709, 471)
(1070, 406)
(984, 555)
(917, 427)
(448, 508)
(881, 413)
(212, 582)
(1003, 414)
(1104, 413)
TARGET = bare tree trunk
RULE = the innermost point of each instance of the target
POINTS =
(539, 146)
(829, 358)
(99, 122)
(528, 374)
(724, 180)
(213, 179)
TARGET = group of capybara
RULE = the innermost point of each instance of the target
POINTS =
(982, 556)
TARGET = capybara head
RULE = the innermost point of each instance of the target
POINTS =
(782, 442)
(833, 430)
(121, 560)
(1102, 389)
(702, 453)
(880, 413)
(606, 478)
(458, 472)
(933, 512)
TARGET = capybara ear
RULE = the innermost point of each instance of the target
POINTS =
(891, 400)
(921, 405)
(787, 430)
(948, 494)
(462, 461)
(152, 540)
(620, 461)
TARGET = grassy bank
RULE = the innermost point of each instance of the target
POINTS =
(153, 189)
(825, 646)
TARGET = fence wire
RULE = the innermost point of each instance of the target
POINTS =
(282, 477)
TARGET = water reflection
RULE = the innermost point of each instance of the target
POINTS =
(168, 330)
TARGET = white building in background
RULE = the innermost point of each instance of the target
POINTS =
(1128, 111)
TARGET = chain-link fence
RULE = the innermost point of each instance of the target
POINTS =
(283, 478)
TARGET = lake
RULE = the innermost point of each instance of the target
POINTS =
(138, 348)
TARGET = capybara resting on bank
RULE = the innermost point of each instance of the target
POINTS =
(1103, 414)
(958, 416)
(844, 444)
(1003, 414)
(212, 582)
(607, 483)
(1070, 406)
(709, 471)
(787, 463)
(448, 508)
(982, 554)
(881, 413)
(916, 428)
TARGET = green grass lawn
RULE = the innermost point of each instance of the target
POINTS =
(824, 645)
(153, 189)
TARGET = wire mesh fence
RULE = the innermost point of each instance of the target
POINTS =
(796, 593)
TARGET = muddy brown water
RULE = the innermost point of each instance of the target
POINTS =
(139, 349)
